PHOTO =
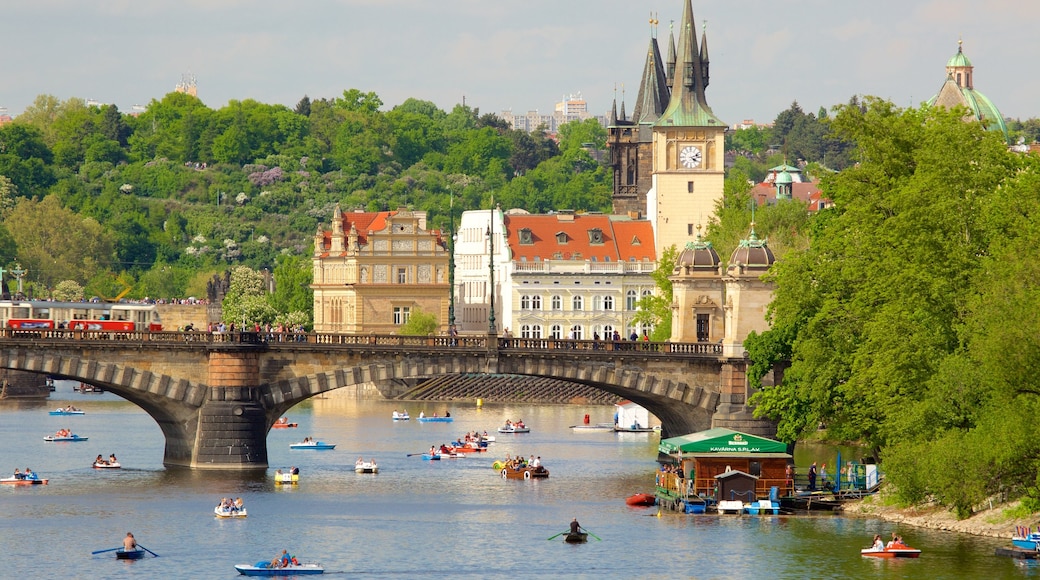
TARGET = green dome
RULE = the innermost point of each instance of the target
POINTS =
(784, 178)
(958, 59)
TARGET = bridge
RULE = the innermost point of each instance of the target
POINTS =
(216, 396)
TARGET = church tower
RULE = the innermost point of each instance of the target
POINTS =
(631, 140)
(688, 147)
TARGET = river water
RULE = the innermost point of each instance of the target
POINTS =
(415, 519)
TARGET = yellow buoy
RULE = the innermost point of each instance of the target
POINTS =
(480, 402)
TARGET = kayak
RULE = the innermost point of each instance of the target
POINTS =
(264, 569)
(61, 438)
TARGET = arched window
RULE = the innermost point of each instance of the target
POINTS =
(608, 331)
(557, 303)
(536, 303)
(608, 303)
(536, 331)
(597, 303)
(525, 331)
(647, 293)
(578, 303)
(576, 332)
(525, 302)
(630, 300)
(556, 332)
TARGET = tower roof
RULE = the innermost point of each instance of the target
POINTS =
(959, 89)
(752, 256)
(688, 106)
(698, 256)
(653, 88)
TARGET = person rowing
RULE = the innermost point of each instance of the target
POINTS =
(129, 543)
(575, 526)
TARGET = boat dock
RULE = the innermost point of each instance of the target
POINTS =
(1018, 553)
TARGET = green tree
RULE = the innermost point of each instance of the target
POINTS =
(68, 291)
(419, 324)
(292, 293)
(246, 301)
(655, 310)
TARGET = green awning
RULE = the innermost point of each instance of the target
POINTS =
(720, 440)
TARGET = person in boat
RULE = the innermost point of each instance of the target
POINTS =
(879, 544)
(422, 414)
(112, 459)
(895, 541)
(17, 473)
(433, 450)
(282, 560)
(358, 462)
(29, 474)
(294, 470)
(100, 460)
(129, 543)
(812, 477)
(537, 462)
(239, 504)
(447, 413)
(575, 526)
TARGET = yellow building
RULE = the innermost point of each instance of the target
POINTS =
(373, 270)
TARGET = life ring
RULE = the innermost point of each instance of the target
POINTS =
(503, 472)
(527, 475)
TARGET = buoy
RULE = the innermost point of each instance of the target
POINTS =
(480, 402)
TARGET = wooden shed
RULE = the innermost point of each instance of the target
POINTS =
(705, 455)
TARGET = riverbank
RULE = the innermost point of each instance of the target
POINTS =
(992, 522)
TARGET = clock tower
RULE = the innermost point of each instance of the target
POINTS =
(688, 147)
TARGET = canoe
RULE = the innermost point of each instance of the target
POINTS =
(366, 467)
(264, 570)
(58, 439)
(895, 551)
(64, 412)
(223, 512)
(115, 465)
(320, 445)
(122, 554)
(514, 429)
(525, 473)
(576, 537)
(436, 419)
(12, 481)
(641, 499)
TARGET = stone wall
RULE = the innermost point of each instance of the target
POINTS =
(177, 316)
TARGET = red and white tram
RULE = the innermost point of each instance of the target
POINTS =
(91, 316)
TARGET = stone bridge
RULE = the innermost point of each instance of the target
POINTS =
(216, 396)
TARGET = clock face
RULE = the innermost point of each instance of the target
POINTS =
(690, 157)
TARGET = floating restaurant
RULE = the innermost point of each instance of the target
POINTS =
(722, 465)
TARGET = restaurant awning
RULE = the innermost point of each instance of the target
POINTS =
(720, 440)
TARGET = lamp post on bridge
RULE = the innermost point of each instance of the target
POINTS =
(491, 270)
(451, 264)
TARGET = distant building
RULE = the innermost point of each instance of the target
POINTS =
(187, 85)
(4, 117)
(570, 108)
(959, 89)
(373, 270)
(789, 182)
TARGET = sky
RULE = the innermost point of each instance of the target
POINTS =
(520, 55)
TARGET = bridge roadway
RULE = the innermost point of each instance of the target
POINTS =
(216, 395)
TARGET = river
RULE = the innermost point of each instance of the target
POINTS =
(429, 519)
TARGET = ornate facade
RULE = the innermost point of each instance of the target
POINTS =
(372, 270)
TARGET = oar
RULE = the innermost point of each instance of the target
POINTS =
(157, 555)
(591, 534)
(551, 537)
(411, 454)
(103, 551)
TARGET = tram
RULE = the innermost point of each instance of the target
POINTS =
(92, 316)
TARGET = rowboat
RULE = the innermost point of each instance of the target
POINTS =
(893, 550)
(366, 467)
(264, 569)
(59, 439)
(226, 512)
(514, 429)
(122, 554)
(320, 445)
(66, 412)
(525, 473)
(436, 419)
(18, 481)
(107, 465)
(576, 537)
(286, 478)
(641, 499)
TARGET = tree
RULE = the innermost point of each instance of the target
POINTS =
(419, 324)
(292, 293)
(68, 291)
(25, 159)
(246, 299)
(655, 310)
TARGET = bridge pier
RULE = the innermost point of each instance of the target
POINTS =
(232, 424)
(733, 411)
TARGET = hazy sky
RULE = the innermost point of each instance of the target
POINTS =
(521, 55)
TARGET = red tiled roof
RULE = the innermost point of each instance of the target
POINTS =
(808, 193)
(364, 222)
(616, 243)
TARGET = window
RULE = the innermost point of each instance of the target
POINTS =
(595, 236)
(578, 303)
(556, 331)
(557, 303)
(525, 302)
(561, 237)
(536, 303)
(525, 237)
(597, 303)
(647, 293)
(525, 331)
(608, 331)
(402, 275)
(576, 332)
(536, 331)
(689, 187)
(401, 314)
(608, 303)
(630, 300)
(689, 229)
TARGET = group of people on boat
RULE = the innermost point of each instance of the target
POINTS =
(69, 409)
(518, 424)
(63, 433)
(360, 461)
(231, 505)
(402, 414)
(29, 474)
(102, 461)
(517, 463)
(878, 545)
(284, 560)
(422, 414)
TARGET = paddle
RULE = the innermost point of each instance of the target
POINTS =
(157, 555)
(586, 530)
(103, 551)
(557, 535)
(411, 454)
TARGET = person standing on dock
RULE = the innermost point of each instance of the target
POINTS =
(812, 477)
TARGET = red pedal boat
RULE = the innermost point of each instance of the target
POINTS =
(893, 550)
(641, 499)
(283, 423)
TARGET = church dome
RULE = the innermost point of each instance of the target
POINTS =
(698, 256)
(784, 178)
(752, 255)
(958, 59)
